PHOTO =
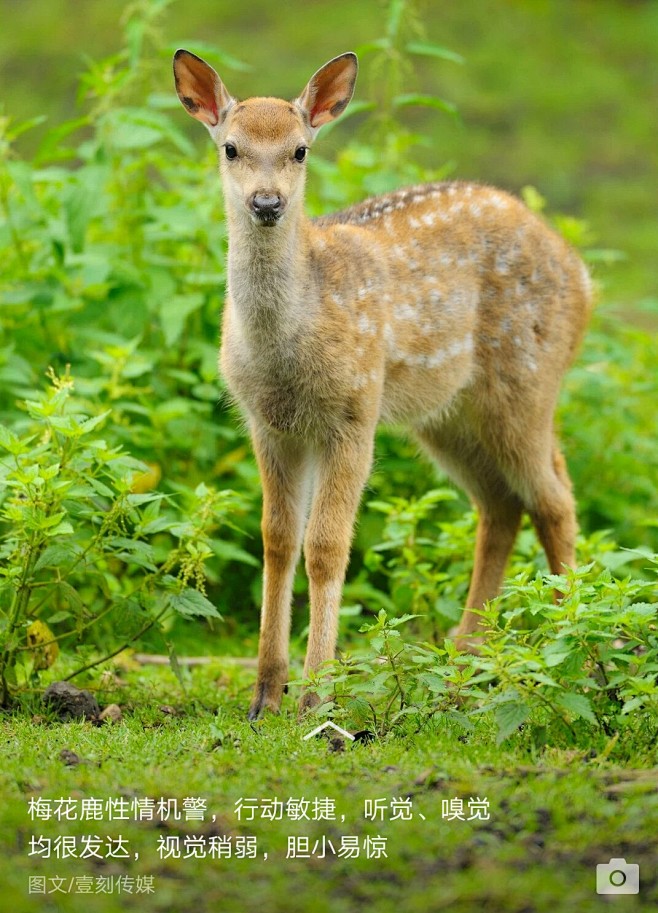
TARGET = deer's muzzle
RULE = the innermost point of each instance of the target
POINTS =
(267, 207)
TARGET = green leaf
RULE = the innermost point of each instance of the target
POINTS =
(57, 617)
(57, 556)
(380, 44)
(578, 705)
(556, 652)
(229, 551)
(425, 101)
(62, 529)
(133, 552)
(15, 130)
(70, 595)
(174, 312)
(81, 203)
(509, 716)
(51, 148)
(175, 665)
(425, 49)
(139, 128)
(91, 423)
(403, 619)
(635, 703)
(10, 442)
(191, 602)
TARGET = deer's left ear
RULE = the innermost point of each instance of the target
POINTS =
(201, 91)
(329, 92)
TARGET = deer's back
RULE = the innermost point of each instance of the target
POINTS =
(479, 294)
(414, 299)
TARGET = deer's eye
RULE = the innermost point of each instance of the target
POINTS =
(300, 153)
(231, 152)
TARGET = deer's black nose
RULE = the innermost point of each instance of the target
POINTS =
(267, 207)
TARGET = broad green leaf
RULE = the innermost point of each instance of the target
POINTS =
(10, 442)
(174, 312)
(509, 716)
(191, 602)
(426, 49)
(425, 101)
(578, 705)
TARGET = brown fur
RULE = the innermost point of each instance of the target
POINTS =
(447, 307)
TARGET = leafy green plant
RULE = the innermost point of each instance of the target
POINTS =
(564, 671)
(86, 557)
(419, 557)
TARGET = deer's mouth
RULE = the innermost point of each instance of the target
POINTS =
(267, 220)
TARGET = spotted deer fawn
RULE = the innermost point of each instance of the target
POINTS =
(448, 307)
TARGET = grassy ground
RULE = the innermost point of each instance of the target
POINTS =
(549, 817)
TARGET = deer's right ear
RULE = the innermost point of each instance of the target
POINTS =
(201, 91)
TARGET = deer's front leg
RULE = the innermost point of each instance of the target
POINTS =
(284, 475)
(341, 475)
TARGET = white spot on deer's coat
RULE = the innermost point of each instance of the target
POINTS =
(404, 312)
(364, 324)
(497, 201)
(439, 357)
(502, 264)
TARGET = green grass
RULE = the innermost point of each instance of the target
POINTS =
(553, 815)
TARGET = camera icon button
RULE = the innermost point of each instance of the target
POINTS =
(617, 877)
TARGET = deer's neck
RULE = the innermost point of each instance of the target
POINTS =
(268, 275)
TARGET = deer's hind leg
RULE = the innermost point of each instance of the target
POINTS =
(467, 462)
(534, 468)
(552, 509)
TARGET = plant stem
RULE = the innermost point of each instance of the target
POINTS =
(124, 646)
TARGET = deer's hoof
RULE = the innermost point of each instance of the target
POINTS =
(307, 702)
(267, 696)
